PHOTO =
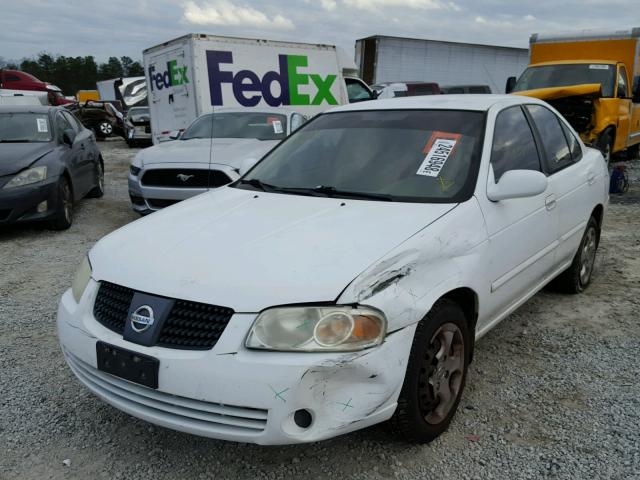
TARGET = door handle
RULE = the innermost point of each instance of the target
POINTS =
(591, 178)
(550, 202)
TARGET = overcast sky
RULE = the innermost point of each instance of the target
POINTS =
(125, 27)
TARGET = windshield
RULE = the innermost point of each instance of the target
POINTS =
(263, 126)
(567, 75)
(139, 114)
(399, 155)
(24, 127)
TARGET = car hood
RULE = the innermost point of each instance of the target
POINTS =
(226, 151)
(18, 156)
(592, 90)
(250, 250)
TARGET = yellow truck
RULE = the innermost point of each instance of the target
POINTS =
(84, 95)
(593, 79)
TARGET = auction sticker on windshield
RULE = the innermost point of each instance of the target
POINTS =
(438, 150)
(42, 125)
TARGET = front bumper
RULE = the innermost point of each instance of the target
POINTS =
(20, 204)
(146, 199)
(236, 394)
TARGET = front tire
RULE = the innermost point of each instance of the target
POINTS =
(605, 145)
(436, 374)
(578, 276)
(64, 213)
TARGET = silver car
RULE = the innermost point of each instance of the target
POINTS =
(210, 153)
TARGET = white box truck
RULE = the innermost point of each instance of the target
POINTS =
(196, 73)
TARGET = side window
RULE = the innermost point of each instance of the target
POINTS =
(623, 91)
(513, 145)
(72, 121)
(356, 91)
(62, 124)
(297, 121)
(553, 138)
(574, 144)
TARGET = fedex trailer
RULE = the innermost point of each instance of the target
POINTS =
(195, 74)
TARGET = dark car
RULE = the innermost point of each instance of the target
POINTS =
(48, 161)
(101, 117)
(137, 123)
(453, 89)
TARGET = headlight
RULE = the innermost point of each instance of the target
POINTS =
(318, 329)
(134, 170)
(27, 177)
(81, 280)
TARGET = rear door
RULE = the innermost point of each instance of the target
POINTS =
(573, 178)
(171, 92)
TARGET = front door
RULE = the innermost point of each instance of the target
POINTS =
(522, 232)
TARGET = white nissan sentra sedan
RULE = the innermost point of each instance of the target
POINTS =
(342, 281)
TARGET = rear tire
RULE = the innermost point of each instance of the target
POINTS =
(98, 190)
(436, 374)
(64, 212)
(578, 276)
(105, 129)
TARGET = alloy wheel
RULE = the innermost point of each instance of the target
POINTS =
(106, 128)
(441, 374)
(588, 255)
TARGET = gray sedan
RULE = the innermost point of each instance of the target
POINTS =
(48, 161)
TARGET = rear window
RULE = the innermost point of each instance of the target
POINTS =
(262, 126)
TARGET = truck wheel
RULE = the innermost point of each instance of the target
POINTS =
(105, 129)
(605, 145)
(436, 374)
(64, 212)
(633, 152)
(578, 276)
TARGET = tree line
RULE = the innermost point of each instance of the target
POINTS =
(75, 73)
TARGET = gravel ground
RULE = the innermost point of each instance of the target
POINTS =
(553, 391)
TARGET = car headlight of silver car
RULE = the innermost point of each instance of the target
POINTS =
(27, 177)
(337, 328)
(81, 280)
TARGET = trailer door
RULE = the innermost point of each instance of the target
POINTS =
(171, 93)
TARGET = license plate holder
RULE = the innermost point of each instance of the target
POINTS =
(132, 366)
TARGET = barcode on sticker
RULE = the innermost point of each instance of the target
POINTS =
(42, 125)
(596, 66)
(277, 126)
(438, 151)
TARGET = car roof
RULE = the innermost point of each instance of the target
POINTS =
(27, 108)
(479, 102)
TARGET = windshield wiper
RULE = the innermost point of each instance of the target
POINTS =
(254, 182)
(335, 192)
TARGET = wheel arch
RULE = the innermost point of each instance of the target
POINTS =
(598, 214)
(467, 299)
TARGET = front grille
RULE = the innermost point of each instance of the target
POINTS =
(185, 178)
(112, 306)
(189, 325)
(161, 202)
(206, 418)
(193, 325)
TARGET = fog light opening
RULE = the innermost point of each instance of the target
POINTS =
(303, 418)
(42, 207)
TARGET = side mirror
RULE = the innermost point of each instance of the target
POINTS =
(68, 137)
(517, 184)
(374, 94)
(511, 84)
(246, 165)
(175, 134)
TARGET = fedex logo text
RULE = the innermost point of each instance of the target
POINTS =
(171, 77)
(249, 89)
